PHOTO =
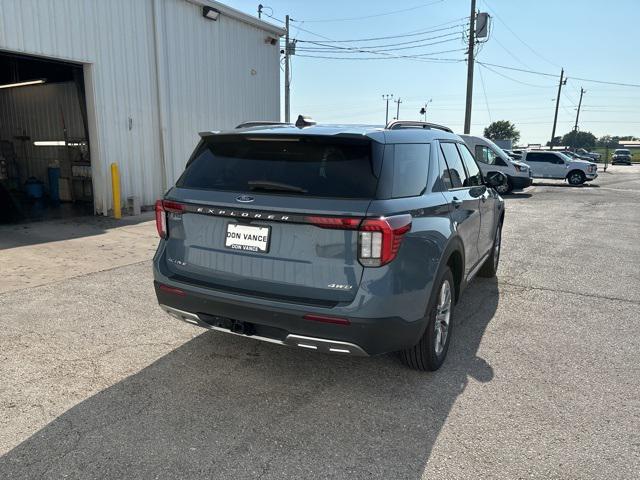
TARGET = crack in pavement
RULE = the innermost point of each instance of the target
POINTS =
(569, 292)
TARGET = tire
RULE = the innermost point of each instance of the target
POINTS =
(429, 353)
(576, 177)
(505, 189)
(489, 268)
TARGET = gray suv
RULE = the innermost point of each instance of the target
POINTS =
(352, 240)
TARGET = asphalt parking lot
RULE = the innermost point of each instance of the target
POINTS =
(542, 378)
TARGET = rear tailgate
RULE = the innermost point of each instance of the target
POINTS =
(265, 242)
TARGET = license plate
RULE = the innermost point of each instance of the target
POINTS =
(247, 238)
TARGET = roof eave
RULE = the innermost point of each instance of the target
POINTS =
(241, 16)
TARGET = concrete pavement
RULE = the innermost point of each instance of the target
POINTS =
(541, 381)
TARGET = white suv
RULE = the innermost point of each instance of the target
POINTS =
(557, 165)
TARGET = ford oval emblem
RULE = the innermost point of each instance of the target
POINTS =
(245, 198)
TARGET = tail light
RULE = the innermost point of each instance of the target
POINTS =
(163, 207)
(379, 239)
(339, 223)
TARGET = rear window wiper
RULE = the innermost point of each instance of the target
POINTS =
(274, 186)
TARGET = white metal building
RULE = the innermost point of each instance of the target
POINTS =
(148, 76)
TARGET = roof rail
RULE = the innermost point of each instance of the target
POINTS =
(397, 124)
(260, 123)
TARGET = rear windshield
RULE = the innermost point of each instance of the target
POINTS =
(623, 152)
(318, 167)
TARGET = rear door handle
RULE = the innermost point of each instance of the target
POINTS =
(456, 202)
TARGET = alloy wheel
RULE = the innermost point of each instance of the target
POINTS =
(575, 179)
(443, 317)
(502, 189)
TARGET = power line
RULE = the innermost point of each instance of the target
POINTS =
(273, 18)
(606, 82)
(374, 15)
(535, 52)
(573, 102)
(414, 33)
(388, 44)
(518, 69)
(484, 65)
(333, 49)
(395, 57)
(484, 90)
(517, 59)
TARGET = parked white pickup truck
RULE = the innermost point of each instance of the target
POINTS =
(556, 165)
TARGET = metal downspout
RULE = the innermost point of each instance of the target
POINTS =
(161, 89)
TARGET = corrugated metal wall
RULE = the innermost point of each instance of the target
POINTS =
(214, 75)
(219, 74)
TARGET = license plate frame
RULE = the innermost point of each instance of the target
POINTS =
(236, 239)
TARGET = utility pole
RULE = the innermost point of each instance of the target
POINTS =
(287, 110)
(398, 102)
(562, 82)
(575, 128)
(386, 97)
(582, 91)
(470, 60)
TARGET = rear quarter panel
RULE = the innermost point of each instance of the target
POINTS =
(407, 281)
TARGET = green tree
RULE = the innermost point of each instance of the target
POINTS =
(579, 139)
(605, 141)
(612, 140)
(502, 130)
(554, 142)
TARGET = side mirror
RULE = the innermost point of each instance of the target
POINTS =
(495, 179)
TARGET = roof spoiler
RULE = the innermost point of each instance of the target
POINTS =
(398, 124)
(260, 123)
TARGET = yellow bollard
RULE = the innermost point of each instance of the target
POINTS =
(115, 189)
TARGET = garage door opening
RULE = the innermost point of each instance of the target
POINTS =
(45, 163)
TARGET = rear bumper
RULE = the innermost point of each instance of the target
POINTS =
(312, 343)
(521, 182)
(285, 324)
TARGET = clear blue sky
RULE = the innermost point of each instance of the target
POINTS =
(590, 39)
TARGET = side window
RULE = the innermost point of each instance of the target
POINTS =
(475, 177)
(548, 157)
(534, 157)
(444, 173)
(558, 160)
(410, 169)
(454, 163)
(484, 155)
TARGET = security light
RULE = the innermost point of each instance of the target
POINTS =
(210, 13)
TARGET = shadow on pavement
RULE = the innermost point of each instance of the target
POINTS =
(516, 195)
(227, 407)
(566, 185)
(32, 233)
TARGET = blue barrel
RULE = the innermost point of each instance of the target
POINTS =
(54, 185)
(34, 188)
